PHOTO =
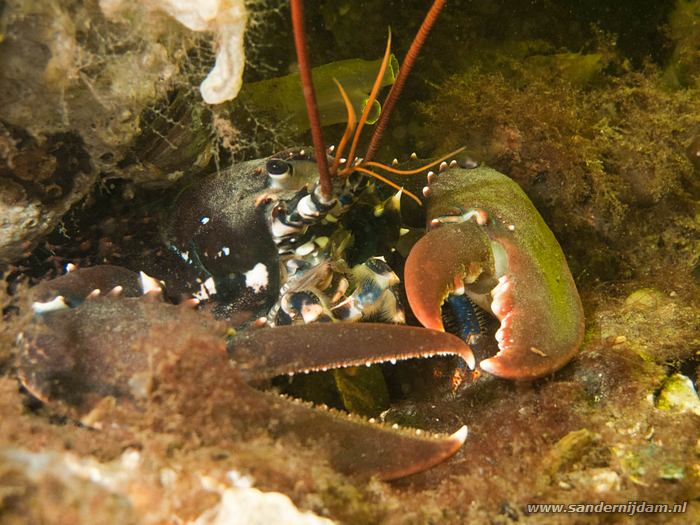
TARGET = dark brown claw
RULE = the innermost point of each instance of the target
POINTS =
(319, 347)
(146, 355)
(76, 285)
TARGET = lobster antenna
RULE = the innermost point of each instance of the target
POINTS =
(388, 182)
(404, 71)
(307, 85)
(414, 170)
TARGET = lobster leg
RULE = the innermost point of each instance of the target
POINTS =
(494, 246)
(148, 355)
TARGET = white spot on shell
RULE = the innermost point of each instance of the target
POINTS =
(257, 277)
(204, 220)
(210, 286)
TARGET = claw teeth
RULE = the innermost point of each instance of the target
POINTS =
(57, 303)
(94, 294)
(460, 435)
(470, 360)
(500, 335)
(458, 286)
(499, 305)
(503, 333)
(116, 291)
(443, 166)
(149, 285)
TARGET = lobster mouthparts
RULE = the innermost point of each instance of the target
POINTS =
(487, 240)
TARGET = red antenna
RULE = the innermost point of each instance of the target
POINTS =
(404, 71)
(310, 98)
(297, 8)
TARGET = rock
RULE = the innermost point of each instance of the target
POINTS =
(678, 394)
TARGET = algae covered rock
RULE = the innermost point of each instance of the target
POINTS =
(89, 90)
(60, 487)
(597, 160)
(679, 394)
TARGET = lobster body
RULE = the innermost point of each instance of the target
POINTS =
(271, 239)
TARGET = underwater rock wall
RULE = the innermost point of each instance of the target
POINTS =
(78, 88)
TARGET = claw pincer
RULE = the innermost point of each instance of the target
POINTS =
(94, 356)
(486, 240)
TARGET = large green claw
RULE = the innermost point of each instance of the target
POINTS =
(487, 240)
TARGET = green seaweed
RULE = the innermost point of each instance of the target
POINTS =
(597, 160)
(363, 390)
(684, 29)
(282, 98)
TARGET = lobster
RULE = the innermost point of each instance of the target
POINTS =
(268, 238)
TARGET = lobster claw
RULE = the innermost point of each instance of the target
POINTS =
(156, 360)
(359, 446)
(492, 244)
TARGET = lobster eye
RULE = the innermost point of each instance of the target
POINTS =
(278, 168)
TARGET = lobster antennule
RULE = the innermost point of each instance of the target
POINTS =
(349, 128)
(388, 183)
(414, 170)
(368, 106)
(297, 7)
(404, 71)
